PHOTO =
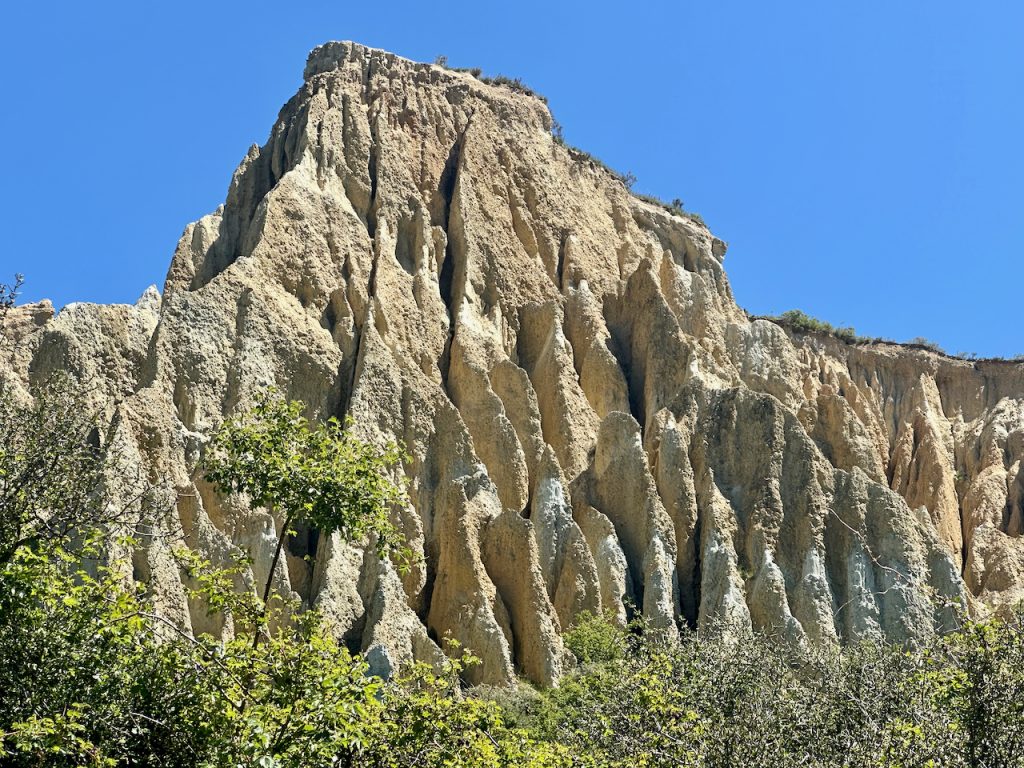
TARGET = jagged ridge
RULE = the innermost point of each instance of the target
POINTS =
(593, 422)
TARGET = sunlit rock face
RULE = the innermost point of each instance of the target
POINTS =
(593, 423)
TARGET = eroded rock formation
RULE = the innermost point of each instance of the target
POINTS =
(593, 423)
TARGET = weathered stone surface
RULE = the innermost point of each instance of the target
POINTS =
(593, 423)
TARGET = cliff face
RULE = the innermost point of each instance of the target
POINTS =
(592, 420)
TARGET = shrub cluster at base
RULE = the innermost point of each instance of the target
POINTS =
(747, 700)
(93, 674)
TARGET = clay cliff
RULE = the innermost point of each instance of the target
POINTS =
(593, 423)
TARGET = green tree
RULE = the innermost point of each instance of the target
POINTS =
(977, 676)
(321, 474)
(89, 674)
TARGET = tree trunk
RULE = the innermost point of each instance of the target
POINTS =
(270, 576)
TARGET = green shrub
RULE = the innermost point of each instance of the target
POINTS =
(752, 699)
(675, 208)
(513, 84)
(442, 61)
(800, 322)
(474, 71)
(922, 343)
(596, 638)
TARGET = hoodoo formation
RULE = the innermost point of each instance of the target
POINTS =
(593, 423)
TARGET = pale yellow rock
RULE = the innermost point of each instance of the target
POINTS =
(592, 421)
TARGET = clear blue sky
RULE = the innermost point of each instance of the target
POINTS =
(864, 160)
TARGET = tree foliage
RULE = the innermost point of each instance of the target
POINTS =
(84, 676)
(322, 474)
(801, 322)
(91, 675)
(751, 700)
(51, 468)
(596, 638)
(8, 295)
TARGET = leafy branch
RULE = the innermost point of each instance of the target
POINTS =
(320, 474)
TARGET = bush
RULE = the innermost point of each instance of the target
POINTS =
(752, 700)
(800, 322)
(922, 343)
(512, 83)
(675, 208)
(596, 638)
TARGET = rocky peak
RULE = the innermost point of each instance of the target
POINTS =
(593, 423)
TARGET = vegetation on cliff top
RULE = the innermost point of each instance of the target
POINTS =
(512, 83)
(800, 322)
